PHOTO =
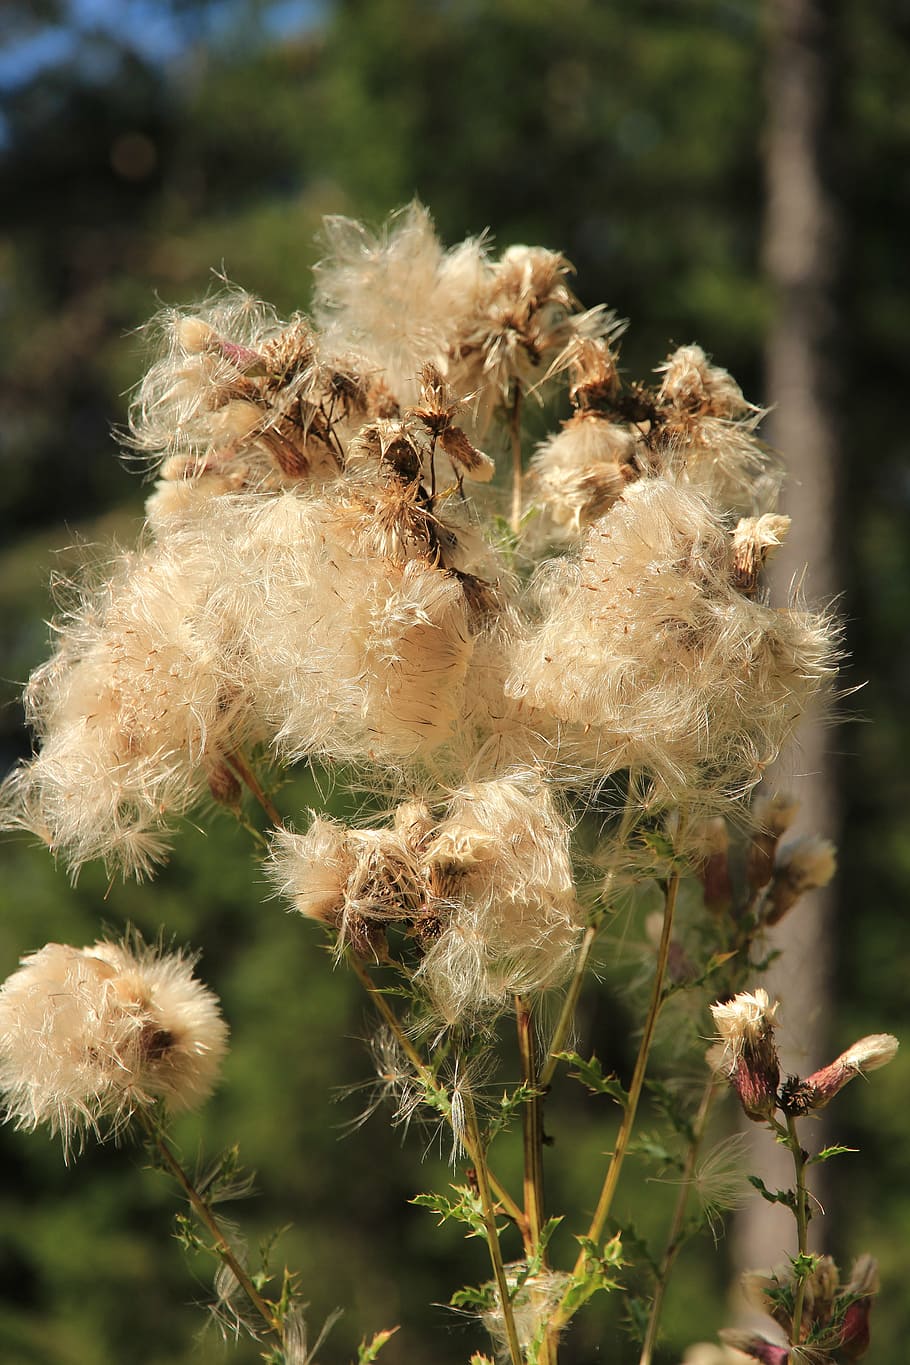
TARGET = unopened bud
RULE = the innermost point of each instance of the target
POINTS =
(773, 816)
(864, 1282)
(868, 1054)
(465, 456)
(195, 336)
(749, 1059)
(714, 865)
(223, 784)
(802, 866)
(759, 1348)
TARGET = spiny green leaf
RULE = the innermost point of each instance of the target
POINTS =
(827, 1153)
(591, 1074)
(803, 1265)
(786, 1197)
(466, 1209)
(476, 1300)
(367, 1352)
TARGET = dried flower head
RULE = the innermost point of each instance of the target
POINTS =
(133, 711)
(535, 1297)
(90, 1035)
(578, 474)
(772, 816)
(500, 874)
(652, 659)
(706, 431)
(834, 1314)
(486, 890)
(799, 867)
(748, 1056)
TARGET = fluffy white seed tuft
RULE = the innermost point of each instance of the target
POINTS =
(90, 1035)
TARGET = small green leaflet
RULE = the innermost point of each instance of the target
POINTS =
(591, 1074)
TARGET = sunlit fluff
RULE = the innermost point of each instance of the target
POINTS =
(90, 1035)
(130, 711)
(706, 431)
(534, 1300)
(658, 663)
(486, 888)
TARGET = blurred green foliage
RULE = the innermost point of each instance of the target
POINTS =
(630, 138)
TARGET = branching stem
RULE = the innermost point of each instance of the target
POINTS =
(567, 1014)
(675, 1236)
(221, 1246)
(475, 1147)
(429, 1082)
(611, 1180)
(532, 1123)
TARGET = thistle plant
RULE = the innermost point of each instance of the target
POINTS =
(552, 678)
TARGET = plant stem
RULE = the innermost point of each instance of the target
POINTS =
(428, 1080)
(515, 436)
(800, 1157)
(570, 1003)
(611, 1180)
(222, 1247)
(532, 1123)
(251, 781)
(489, 1217)
(675, 1237)
(532, 1139)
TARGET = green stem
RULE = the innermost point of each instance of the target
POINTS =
(800, 1159)
(222, 1248)
(611, 1180)
(570, 1003)
(532, 1124)
(675, 1237)
(532, 1138)
(478, 1155)
(430, 1084)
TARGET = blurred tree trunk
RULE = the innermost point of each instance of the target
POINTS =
(800, 257)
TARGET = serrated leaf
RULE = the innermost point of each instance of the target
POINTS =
(785, 1197)
(367, 1352)
(645, 1145)
(466, 1209)
(591, 1075)
(476, 1300)
(827, 1153)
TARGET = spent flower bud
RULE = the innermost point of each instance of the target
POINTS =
(868, 1054)
(748, 1058)
(863, 1283)
(805, 865)
(758, 1347)
(773, 816)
